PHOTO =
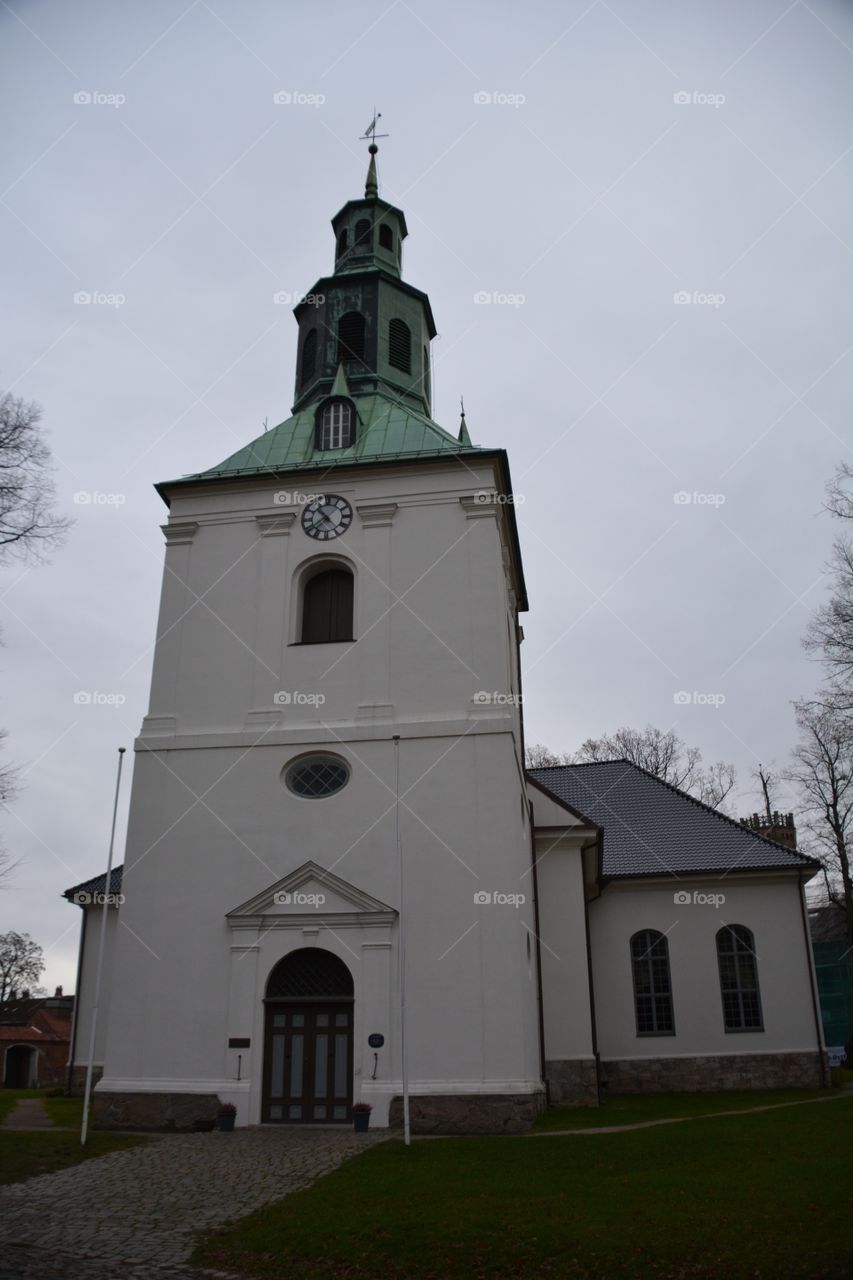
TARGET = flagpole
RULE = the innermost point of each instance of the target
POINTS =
(407, 1132)
(104, 909)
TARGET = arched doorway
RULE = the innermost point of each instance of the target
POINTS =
(308, 1040)
(18, 1072)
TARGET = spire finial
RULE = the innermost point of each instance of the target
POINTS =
(371, 186)
(463, 436)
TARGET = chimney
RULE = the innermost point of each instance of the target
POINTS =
(58, 992)
(776, 826)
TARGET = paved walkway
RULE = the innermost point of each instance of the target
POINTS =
(28, 1113)
(133, 1215)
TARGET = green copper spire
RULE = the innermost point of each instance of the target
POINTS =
(371, 187)
(463, 436)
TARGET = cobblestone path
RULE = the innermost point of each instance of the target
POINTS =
(133, 1215)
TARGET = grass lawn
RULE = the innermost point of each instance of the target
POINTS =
(740, 1197)
(637, 1108)
(65, 1112)
(24, 1155)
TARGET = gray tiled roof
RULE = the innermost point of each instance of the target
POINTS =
(96, 884)
(652, 828)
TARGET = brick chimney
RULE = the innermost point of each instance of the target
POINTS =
(776, 826)
(57, 993)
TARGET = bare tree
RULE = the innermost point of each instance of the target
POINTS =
(830, 632)
(822, 771)
(659, 752)
(29, 525)
(538, 757)
(21, 963)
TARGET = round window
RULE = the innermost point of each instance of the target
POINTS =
(316, 776)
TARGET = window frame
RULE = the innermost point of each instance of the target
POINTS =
(397, 325)
(653, 994)
(304, 576)
(344, 428)
(306, 761)
(734, 932)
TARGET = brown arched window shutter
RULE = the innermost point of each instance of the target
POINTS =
(327, 607)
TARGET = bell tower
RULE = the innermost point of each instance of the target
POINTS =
(329, 784)
(364, 318)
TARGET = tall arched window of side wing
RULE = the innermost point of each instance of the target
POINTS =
(309, 357)
(327, 606)
(351, 336)
(739, 979)
(652, 984)
(400, 345)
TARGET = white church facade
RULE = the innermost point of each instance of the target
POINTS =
(337, 871)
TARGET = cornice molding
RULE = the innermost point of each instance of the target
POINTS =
(277, 526)
(179, 532)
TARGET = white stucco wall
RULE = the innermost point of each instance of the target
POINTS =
(768, 905)
(212, 824)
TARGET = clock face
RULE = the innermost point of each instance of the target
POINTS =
(327, 517)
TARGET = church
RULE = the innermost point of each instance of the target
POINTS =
(339, 880)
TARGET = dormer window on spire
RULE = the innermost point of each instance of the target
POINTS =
(335, 425)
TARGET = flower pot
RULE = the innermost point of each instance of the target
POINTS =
(225, 1123)
(360, 1121)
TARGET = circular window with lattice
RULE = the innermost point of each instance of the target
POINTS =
(315, 777)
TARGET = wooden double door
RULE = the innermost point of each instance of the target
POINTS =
(308, 1062)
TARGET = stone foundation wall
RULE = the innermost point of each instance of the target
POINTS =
(158, 1111)
(710, 1074)
(572, 1082)
(78, 1079)
(469, 1113)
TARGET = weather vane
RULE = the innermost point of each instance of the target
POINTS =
(370, 132)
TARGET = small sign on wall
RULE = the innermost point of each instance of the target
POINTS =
(375, 1040)
(837, 1056)
(237, 1043)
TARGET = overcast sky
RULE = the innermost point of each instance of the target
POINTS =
(624, 154)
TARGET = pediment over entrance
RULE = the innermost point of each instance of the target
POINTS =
(312, 892)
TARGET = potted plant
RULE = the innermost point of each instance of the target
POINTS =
(361, 1116)
(225, 1117)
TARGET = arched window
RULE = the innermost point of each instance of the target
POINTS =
(327, 601)
(652, 986)
(351, 336)
(400, 345)
(343, 240)
(362, 234)
(739, 979)
(335, 426)
(309, 357)
(386, 237)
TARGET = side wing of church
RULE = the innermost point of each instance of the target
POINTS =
(338, 878)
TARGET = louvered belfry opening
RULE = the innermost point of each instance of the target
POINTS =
(327, 607)
(309, 357)
(351, 336)
(310, 974)
(400, 345)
